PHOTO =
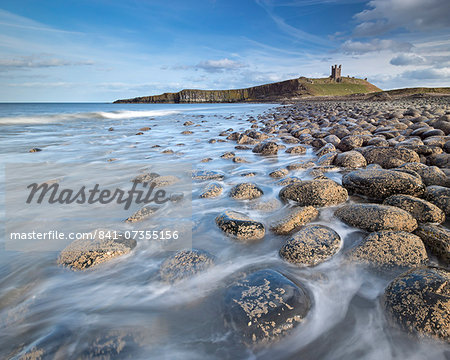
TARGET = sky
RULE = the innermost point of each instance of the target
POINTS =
(102, 50)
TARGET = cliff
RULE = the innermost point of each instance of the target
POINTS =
(284, 90)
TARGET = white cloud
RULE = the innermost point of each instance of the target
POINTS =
(414, 15)
(358, 47)
(221, 65)
(407, 59)
(38, 61)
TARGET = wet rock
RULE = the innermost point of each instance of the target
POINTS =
(228, 155)
(242, 147)
(33, 150)
(86, 253)
(431, 175)
(240, 226)
(111, 129)
(293, 218)
(246, 140)
(207, 175)
(315, 193)
(350, 142)
(266, 148)
(187, 132)
(439, 196)
(167, 151)
(140, 133)
(165, 180)
(418, 301)
(184, 264)
(239, 160)
(437, 239)
(332, 139)
(296, 150)
(350, 159)
(206, 160)
(389, 157)
(146, 128)
(142, 214)
(279, 173)
(390, 249)
(246, 191)
(288, 181)
(264, 306)
(380, 183)
(312, 245)
(188, 123)
(375, 217)
(421, 210)
(440, 160)
(327, 148)
(211, 191)
(327, 159)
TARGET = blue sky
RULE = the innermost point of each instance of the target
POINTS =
(102, 50)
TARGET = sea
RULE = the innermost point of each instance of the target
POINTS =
(122, 309)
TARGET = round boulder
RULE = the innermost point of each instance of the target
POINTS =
(390, 249)
(380, 183)
(266, 148)
(246, 191)
(422, 210)
(265, 305)
(184, 264)
(389, 157)
(211, 191)
(240, 226)
(437, 239)
(292, 219)
(418, 301)
(104, 246)
(311, 246)
(350, 142)
(375, 217)
(439, 196)
(321, 192)
(431, 175)
(350, 159)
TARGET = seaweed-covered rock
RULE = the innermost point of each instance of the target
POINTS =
(437, 239)
(142, 214)
(390, 249)
(350, 159)
(246, 191)
(184, 264)
(321, 192)
(380, 183)
(375, 217)
(266, 148)
(240, 226)
(292, 219)
(212, 190)
(86, 253)
(421, 210)
(207, 175)
(439, 196)
(312, 245)
(389, 157)
(265, 305)
(431, 175)
(418, 301)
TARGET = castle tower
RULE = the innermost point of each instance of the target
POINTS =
(336, 73)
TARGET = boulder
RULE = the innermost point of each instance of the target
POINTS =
(389, 157)
(439, 196)
(184, 264)
(212, 190)
(246, 191)
(265, 305)
(312, 245)
(87, 253)
(418, 301)
(322, 192)
(437, 239)
(293, 218)
(240, 226)
(390, 249)
(422, 210)
(375, 217)
(380, 183)
(266, 148)
(350, 159)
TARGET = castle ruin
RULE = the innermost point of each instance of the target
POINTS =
(336, 73)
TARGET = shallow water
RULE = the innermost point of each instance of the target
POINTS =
(69, 313)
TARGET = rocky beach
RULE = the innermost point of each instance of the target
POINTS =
(319, 230)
